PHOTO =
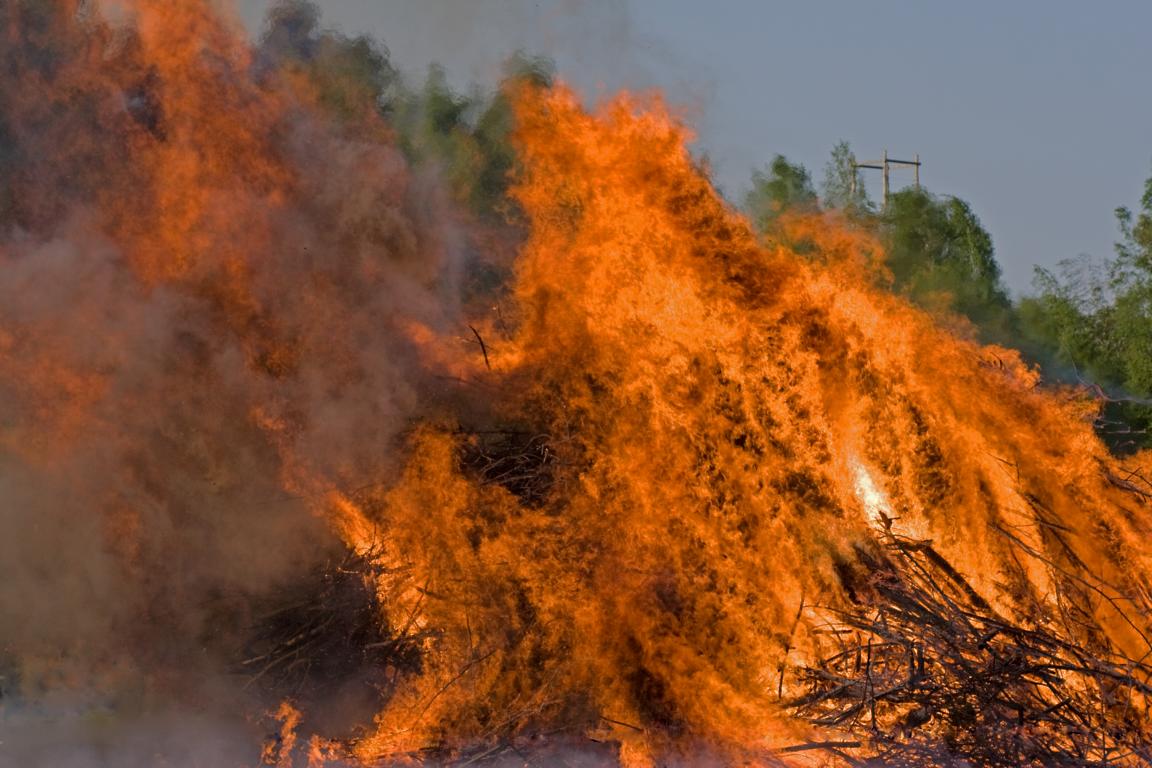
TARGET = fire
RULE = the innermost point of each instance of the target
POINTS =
(641, 510)
(876, 506)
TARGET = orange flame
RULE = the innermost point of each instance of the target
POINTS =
(731, 421)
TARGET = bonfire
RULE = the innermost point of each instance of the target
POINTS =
(669, 494)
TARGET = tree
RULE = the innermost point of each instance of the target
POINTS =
(942, 258)
(939, 255)
(1094, 319)
(1131, 282)
(468, 137)
(464, 136)
(843, 188)
(352, 76)
(779, 187)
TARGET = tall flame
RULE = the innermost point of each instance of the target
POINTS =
(731, 424)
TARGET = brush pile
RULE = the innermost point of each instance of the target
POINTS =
(520, 461)
(640, 501)
(325, 632)
(928, 674)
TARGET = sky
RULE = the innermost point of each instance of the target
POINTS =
(1029, 110)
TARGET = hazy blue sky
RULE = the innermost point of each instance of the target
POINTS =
(1031, 111)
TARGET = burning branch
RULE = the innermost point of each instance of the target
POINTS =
(326, 630)
(933, 674)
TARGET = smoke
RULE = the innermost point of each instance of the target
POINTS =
(76, 733)
(597, 44)
(205, 326)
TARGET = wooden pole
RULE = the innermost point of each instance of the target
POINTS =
(885, 166)
(885, 163)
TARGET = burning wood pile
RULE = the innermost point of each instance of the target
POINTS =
(925, 672)
(687, 497)
(325, 631)
(929, 674)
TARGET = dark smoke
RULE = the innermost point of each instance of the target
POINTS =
(171, 403)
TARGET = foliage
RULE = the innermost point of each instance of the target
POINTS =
(1094, 319)
(779, 187)
(939, 255)
(465, 137)
(843, 188)
(351, 75)
(943, 259)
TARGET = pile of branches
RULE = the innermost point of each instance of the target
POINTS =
(522, 462)
(328, 627)
(928, 674)
(326, 631)
(925, 672)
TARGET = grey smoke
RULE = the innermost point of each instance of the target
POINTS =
(146, 507)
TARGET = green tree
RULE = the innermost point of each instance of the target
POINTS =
(1092, 319)
(779, 187)
(942, 258)
(843, 188)
(353, 76)
(468, 137)
(1131, 283)
(465, 137)
(939, 254)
